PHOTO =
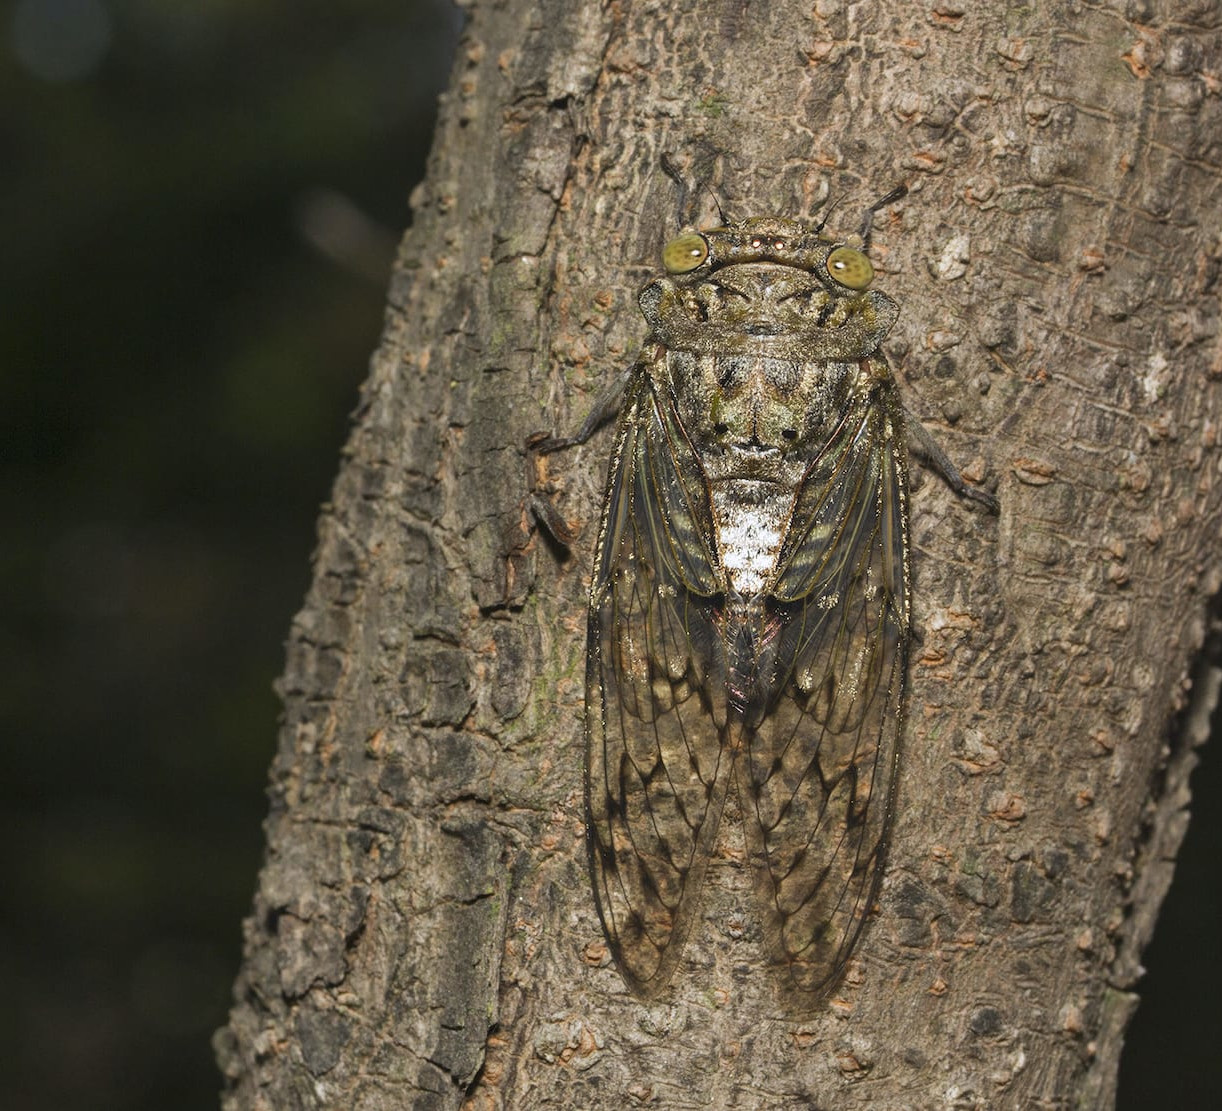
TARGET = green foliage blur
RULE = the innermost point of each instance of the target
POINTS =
(200, 206)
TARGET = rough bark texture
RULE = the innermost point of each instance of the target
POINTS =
(422, 932)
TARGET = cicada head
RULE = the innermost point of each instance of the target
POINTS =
(771, 287)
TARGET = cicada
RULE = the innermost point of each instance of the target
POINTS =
(750, 614)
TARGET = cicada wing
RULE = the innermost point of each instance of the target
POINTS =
(817, 773)
(656, 769)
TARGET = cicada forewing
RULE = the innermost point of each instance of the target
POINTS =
(816, 771)
(816, 736)
(657, 769)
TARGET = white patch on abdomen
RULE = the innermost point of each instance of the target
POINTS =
(750, 517)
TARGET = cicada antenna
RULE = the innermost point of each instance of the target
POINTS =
(867, 220)
(676, 175)
(684, 205)
(831, 207)
(721, 212)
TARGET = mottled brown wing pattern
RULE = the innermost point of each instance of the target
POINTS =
(817, 742)
(657, 770)
(817, 767)
(749, 606)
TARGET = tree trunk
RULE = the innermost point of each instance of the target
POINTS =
(423, 932)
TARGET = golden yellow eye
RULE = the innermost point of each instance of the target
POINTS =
(683, 255)
(850, 268)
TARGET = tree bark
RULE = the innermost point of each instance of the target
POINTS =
(423, 933)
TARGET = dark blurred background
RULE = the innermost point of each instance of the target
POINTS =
(199, 207)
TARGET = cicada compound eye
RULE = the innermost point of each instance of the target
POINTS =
(684, 254)
(850, 268)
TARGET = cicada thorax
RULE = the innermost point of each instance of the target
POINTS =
(756, 424)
